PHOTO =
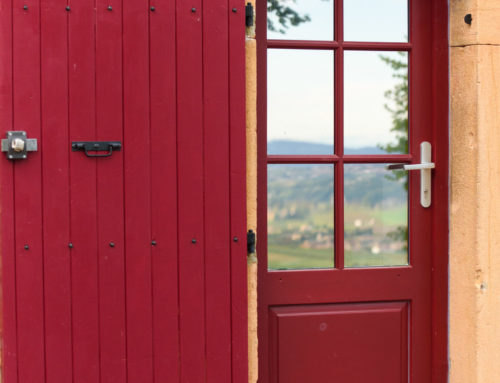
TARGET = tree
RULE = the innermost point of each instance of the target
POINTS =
(286, 16)
(398, 107)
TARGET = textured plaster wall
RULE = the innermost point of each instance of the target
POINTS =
(474, 341)
(251, 116)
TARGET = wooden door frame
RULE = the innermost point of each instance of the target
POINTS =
(438, 27)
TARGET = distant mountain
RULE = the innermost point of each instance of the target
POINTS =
(303, 148)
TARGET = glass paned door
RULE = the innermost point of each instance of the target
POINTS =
(345, 89)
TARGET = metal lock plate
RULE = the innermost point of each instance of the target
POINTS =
(17, 145)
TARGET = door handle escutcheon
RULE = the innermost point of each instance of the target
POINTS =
(425, 166)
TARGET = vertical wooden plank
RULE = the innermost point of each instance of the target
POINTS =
(110, 192)
(55, 152)
(164, 192)
(28, 195)
(84, 265)
(190, 190)
(216, 185)
(137, 168)
(237, 135)
(9, 309)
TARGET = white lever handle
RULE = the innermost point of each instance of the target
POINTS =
(429, 165)
(425, 167)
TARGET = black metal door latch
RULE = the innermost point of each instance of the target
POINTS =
(96, 146)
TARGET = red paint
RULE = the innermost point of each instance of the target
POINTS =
(290, 301)
(27, 181)
(372, 339)
(56, 223)
(169, 84)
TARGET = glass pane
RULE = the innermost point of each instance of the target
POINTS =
(375, 216)
(300, 19)
(299, 101)
(376, 20)
(300, 216)
(375, 102)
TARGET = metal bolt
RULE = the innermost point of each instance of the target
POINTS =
(235, 10)
(468, 19)
(26, 247)
(25, 7)
(110, 8)
(193, 10)
(153, 9)
(153, 243)
(111, 244)
(17, 144)
(235, 239)
(68, 8)
(193, 240)
(70, 245)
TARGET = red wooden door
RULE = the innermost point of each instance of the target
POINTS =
(352, 267)
(130, 267)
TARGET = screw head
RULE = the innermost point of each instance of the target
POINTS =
(468, 19)
(153, 243)
(25, 7)
(111, 244)
(70, 245)
(153, 9)
(110, 8)
(235, 10)
(68, 8)
(193, 240)
(26, 247)
(235, 239)
(193, 10)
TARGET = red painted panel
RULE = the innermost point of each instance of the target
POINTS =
(109, 175)
(164, 192)
(111, 286)
(9, 304)
(191, 235)
(216, 183)
(137, 168)
(28, 197)
(56, 203)
(353, 343)
(440, 91)
(83, 189)
(237, 134)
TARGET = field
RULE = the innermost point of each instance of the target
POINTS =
(301, 217)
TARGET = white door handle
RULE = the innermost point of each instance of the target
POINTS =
(425, 167)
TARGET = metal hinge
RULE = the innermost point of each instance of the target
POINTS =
(249, 15)
(251, 242)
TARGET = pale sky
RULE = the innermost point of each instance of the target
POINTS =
(300, 82)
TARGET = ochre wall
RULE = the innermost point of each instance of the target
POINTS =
(474, 307)
(251, 115)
